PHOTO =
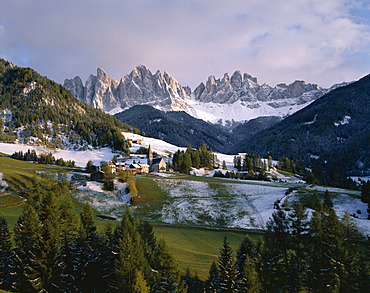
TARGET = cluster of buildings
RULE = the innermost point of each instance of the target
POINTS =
(150, 165)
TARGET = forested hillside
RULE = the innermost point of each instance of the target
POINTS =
(332, 134)
(36, 110)
(178, 128)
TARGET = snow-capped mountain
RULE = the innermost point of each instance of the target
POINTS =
(230, 99)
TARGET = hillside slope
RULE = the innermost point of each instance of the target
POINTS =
(178, 128)
(334, 129)
(38, 111)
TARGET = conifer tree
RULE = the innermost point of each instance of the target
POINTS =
(276, 254)
(299, 227)
(27, 252)
(69, 227)
(193, 284)
(246, 266)
(166, 276)
(212, 281)
(131, 259)
(139, 283)
(326, 266)
(149, 241)
(226, 269)
(50, 240)
(88, 264)
(6, 256)
(250, 281)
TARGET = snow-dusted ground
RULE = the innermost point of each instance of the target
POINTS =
(3, 183)
(96, 155)
(233, 204)
(106, 202)
(224, 204)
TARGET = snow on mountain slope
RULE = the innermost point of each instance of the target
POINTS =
(236, 98)
(241, 111)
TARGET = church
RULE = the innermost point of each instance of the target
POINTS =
(156, 165)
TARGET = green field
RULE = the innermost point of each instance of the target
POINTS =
(196, 248)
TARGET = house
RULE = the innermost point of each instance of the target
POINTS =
(135, 168)
(120, 167)
(97, 176)
(144, 168)
(158, 165)
(138, 168)
(112, 167)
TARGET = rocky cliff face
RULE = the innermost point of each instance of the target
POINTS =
(245, 88)
(140, 87)
(237, 97)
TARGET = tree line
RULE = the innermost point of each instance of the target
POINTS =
(297, 253)
(201, 157)
(57, 250)
(48, 158)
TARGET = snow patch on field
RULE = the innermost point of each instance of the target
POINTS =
(216, 204)
(106, 202)
(3, 183)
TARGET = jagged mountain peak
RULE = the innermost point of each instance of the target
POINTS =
(139, 87)
(237, 97)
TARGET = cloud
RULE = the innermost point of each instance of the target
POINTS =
(277, 41)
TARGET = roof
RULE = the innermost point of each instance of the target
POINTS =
(157, 161)
(135, 166)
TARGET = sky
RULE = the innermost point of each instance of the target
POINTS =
(278, 41)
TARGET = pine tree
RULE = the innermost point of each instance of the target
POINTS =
(250, 281)
(193, 284)
(212, 281)
(149, 241)
(50, 240)
(139, 283)
(88, 263)
(6, 256)
(166, 276)
(328, 202)
(365, 192)
(276, 253)
(297, 268)
(27, 252)
(226, 269)
(246, 266)
(69, 227)
(326, 256)
(129, 246)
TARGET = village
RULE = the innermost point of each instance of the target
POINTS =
(137, 164)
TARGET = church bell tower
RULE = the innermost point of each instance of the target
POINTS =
(150, 155)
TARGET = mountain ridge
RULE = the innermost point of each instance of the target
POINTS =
(234, 98)
(333, 132)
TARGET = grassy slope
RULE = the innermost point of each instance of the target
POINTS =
(197, 248)
(194, 248)
(19, 175)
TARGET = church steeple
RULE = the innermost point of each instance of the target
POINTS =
(150, 155)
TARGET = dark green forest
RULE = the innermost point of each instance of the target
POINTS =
(37, 110)
(297, 253)
(54, 249)
(201, 157)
